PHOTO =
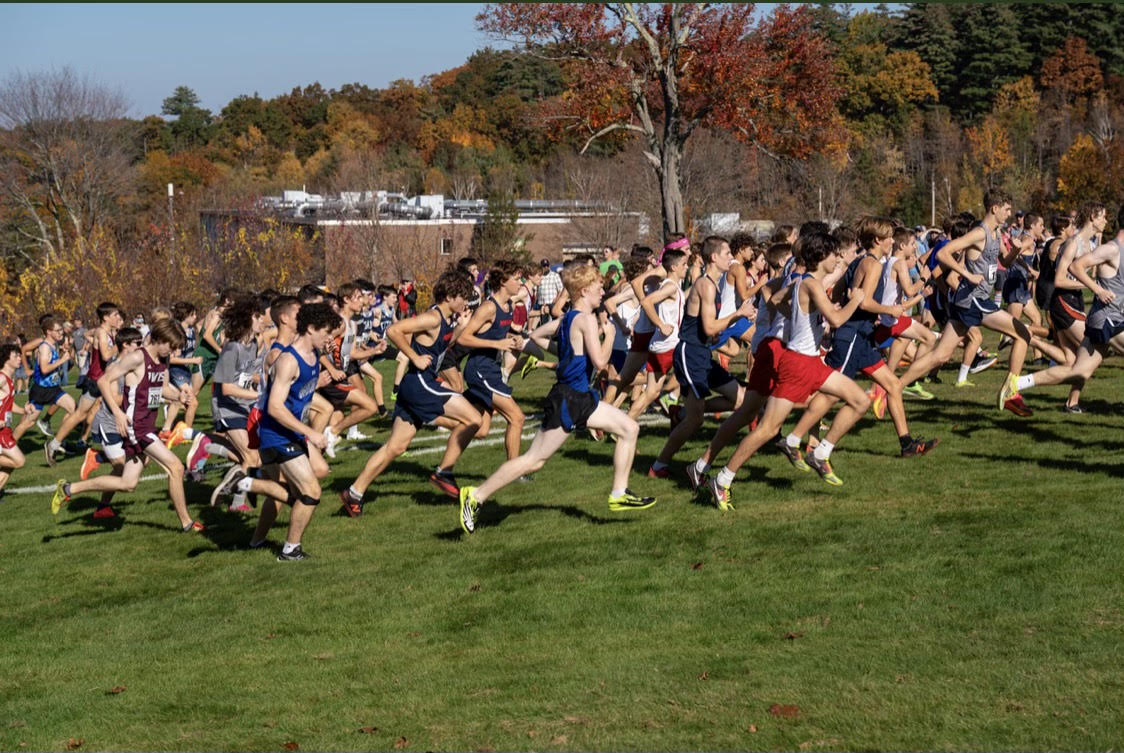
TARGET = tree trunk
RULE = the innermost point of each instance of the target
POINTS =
(671, 195)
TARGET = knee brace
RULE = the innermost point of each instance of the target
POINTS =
(308, 500)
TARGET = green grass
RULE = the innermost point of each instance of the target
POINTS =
(970, 599)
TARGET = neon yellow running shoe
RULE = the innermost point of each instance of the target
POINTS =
(59, 498)
(528, 367)
(721, 495)
(630, 501)
(823, 467)
(469, 508)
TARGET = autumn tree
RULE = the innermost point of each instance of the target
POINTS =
(664, 70)
(192, 122)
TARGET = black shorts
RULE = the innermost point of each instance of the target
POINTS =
(336, 393)
(1065, 311)
(568, 409)
(283, 453)
(454, 356)
(43, 397)
(89, 388)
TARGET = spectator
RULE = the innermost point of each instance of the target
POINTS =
(611, 267)
(407, 299)
(549, 287)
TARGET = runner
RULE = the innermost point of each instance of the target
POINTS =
(11, 458)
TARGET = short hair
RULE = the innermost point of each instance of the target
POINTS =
(6, 351)
(502, 271)
(365, 285)
(347, 290)
(281, 306)
(995, 197)
(641, 252)
(238, 318)
(777, 253)
(466, 262)
(309, 292)
(845, 235)
(45, 317)
(781, 233)
(128, 336)
(331, 299)
(226, 297)
(959, 227)
(182, 309)
(902, 237)
(1059, 223)
(104, 310)
(711, 246)
(453, 284)
(815, 247)
(814, 226)
(740, 241)
(579, 277)
(671, 257)
(269, 294)
(634, 265)
(1088, 211)
(586, 259)
(161, 312)
(873, 229)
(167, 331)
(48, 322)
(318, 315)
(1029, 219)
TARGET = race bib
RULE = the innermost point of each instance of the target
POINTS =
(245, 381)
(992, 270)
(155, 398)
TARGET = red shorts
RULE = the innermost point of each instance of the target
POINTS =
(252, 422)
(519, 315)
(882, 333)
(661, 363)
(763, 375)
(641, 341)
(7, 441)
(799, 375)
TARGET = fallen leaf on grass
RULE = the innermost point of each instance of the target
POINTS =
(75, 743)
(291, 746)
(115, 690)
(751, 728)
(413, 634)
(401, 743)
(324, 656)
(785, 712)
(559, 740)
(793, 636)
(576, 719)
(704, 676)
(368, 730)
(17, 724)
(474, 587)
(697, 566)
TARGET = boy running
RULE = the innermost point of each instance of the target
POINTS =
(11, 457)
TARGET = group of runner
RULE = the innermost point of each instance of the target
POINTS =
(812, 311)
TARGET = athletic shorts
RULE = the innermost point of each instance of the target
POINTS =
(697, 371)
(1101, 331)
(766, 361)
(1016, 289)
(43, 397)
(145, 439)
(734, 331)
(7, 441)
(230, 423)
(617, 358)
(336, 393)
(971, 311)
(641, 341)
(421, 400)
(89, 388)
(454, 355)
(179, 376)
(883, 332)
(661, 363)
(938, 307)
(568, 409)
(519, 315)
(210, 360)
(282, 454)
(852, 351)
(483, 379)
(1064, 314)
(252, 422)
(799, 376)
(112, 443)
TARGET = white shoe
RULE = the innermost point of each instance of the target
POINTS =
(333, 440)
(354, 435)
(44, 428)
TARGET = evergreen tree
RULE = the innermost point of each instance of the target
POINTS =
(994, 52)
(926, 28)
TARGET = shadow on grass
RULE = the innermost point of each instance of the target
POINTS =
(492, 514)
(90, 527)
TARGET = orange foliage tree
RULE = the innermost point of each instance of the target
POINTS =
(664, 70)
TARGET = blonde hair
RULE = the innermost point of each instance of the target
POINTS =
(579, 277)
(161, 312)
(874, 229)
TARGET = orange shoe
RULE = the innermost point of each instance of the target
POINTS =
(175, 436)
(89, 463)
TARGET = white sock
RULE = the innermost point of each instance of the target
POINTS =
(725, 477)
(963, 372)
(792, 441)
(617, 493)
(288, 548)
(1024, 382)
(702, 466)
(823, 450)
(243, 486)
(54, 445)
(189, 433)
(357, 496)
(216, 449)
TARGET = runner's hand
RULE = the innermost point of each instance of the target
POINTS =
(317, 440)
(422, 362)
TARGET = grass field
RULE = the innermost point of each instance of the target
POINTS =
(970, 599)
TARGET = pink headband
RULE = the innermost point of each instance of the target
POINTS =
(674, 246)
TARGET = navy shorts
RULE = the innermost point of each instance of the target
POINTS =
(568, 409)
(1107, 329)
(42, 397)
(697, 371)
(971, 311)
(853, 350)
(483, 379)
(421, 400)
(1016, 289)
(282, 454)
(230, 423)
(179, 376)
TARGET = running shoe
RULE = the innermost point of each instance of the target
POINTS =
(630, 501)
(354, 435)
(59, 498)
(469, 508)
(197, 455)
(933, 378)
(878, 401)
(296, 555)
(193, 527)
(1005, 342)
(919, 447)
(104, 513)
(44, 428)
(1074, 409)
(695, 477)
(163, 436)
(240, 508)
(333, 439)
(175, 437)
(721, 495)
(982, 362)
(227, 486)
(918, 391)
(823, 467)
(50, 452)
(965, 383)
(89, 464)
(350, 506)
(445, 482)
(1009, 390)
(654, 472)
(794, 455)
(665, 401)
(1017, 406)
(596, 434)
(528, 367)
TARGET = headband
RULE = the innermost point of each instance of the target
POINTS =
(674, 246)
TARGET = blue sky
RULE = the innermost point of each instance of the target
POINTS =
(221, 51)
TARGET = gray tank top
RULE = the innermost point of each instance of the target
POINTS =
(987, 265)
(1115, 310)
